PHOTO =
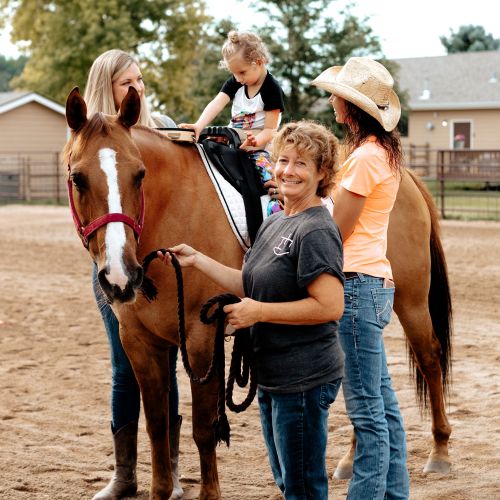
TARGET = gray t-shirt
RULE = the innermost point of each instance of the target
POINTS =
(289, 253)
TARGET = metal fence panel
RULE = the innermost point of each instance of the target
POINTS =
(34, 176)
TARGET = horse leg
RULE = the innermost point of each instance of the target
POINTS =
(344, 467)
(204, 411)
(417, 324)
(151, 367)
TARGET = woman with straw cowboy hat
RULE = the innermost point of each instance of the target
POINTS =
(364, 102)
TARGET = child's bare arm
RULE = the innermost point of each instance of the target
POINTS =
(212, 109)
(270, 128)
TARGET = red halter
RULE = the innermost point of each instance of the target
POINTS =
(86, 231)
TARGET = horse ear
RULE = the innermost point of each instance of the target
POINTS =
(76, 110)
(130, 108)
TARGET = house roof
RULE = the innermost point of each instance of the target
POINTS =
(467, 80)
(12, 100)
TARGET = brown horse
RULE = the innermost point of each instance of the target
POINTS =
(133, 191)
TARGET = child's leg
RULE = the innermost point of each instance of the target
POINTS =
(262, 162)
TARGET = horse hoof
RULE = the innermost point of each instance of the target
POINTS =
(177, 494)
(440, 466)
(342, 472)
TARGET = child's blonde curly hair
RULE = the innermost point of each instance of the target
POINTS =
(314, 140)
(249, 45)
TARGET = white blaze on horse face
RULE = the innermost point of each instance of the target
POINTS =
(115, 231)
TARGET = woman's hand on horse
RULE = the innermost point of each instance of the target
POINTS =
(185, 254)
(243, 314)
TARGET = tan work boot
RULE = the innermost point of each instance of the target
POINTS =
(124, 480)
(174, 435)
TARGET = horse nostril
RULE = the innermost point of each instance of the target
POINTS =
(105, 285)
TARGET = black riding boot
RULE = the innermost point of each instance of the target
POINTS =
(124, 480)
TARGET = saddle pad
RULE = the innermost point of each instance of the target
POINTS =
(232, 201)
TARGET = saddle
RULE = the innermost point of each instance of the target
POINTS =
(222, 145)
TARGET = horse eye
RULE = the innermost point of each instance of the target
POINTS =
(79, 181)
(139, 177)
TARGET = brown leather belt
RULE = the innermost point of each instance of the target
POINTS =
(349, 275)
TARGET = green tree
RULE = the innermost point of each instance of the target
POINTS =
(9, 68)
(469, 38)
(209, 76)
(303, 41)
(65, 37)
(173, 59)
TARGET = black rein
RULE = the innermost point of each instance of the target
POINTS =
(241, 366)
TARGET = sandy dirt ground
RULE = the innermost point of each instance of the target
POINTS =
(55, 440)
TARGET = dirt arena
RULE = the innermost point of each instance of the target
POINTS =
(55, 440)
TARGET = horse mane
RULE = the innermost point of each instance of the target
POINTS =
(99, 124)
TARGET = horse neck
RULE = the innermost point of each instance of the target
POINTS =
(181, 202)
(169, 165)
(176, 183)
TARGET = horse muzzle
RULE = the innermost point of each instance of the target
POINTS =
(122, 294)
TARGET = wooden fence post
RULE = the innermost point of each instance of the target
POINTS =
(441, 182)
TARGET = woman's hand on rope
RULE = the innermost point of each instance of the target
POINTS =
(244, 314)
(186, 255)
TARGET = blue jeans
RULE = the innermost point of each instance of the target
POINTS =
(380, 469)
(125, 395)
(295, 428)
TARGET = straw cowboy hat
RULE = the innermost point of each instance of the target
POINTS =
(368, 85)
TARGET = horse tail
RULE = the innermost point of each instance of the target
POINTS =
(440, 306)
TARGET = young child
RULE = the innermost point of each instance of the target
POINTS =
(257, 100)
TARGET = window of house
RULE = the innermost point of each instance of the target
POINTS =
(462, 135)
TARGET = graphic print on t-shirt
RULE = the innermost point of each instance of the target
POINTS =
(284, 247)
(244, 120)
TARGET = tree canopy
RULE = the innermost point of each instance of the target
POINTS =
(178, 47)
(9, 68)
(469, 38)
(65, 37)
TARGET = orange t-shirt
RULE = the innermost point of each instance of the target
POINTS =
(366, 172)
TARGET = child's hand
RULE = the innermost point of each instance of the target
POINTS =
(197, 129)
(249, 141)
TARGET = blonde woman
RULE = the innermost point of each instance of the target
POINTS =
(110, 77)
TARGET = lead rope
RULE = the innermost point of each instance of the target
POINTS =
(240, 367)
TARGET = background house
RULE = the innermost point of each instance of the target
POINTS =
(31, 123)
(33, 132)
(454, 100)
